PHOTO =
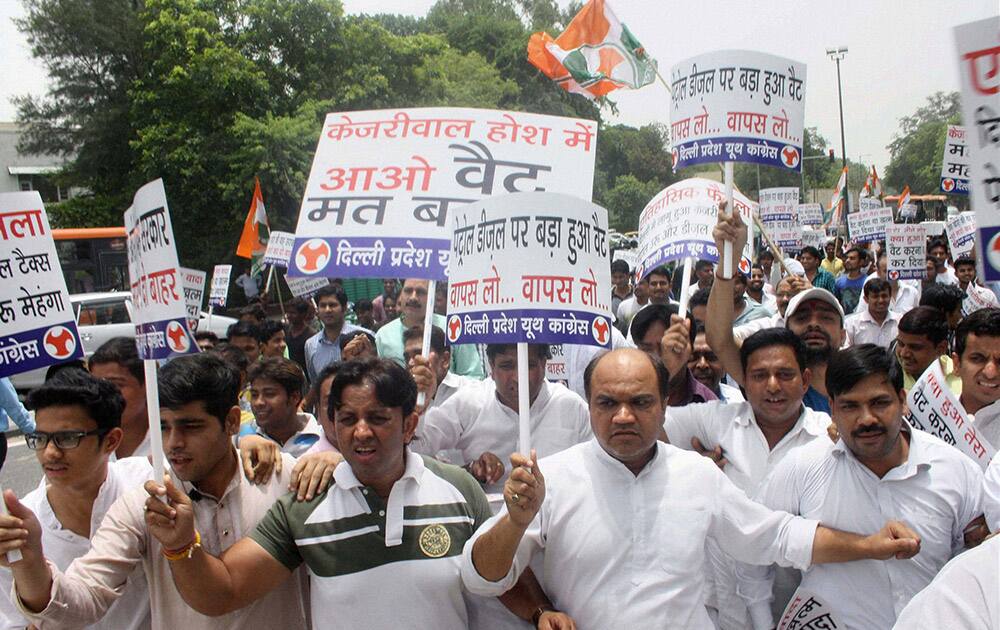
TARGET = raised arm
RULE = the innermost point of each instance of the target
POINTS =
(213, 586)
(721, 311)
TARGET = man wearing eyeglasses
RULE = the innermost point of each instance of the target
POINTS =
(78, 427)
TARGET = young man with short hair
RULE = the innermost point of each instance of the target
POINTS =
(977, 363)
(298, 331)
(117, 360)
(748, 439)
(246, 337)
(810, 258)
(438, 382)
(659, 285)
(272, 340)
(831, 263)
(878, 466)
(965, 272)
(200, 417)
(948, 299)
(922, 339)
(756, 289)
(850, 284)
(621, 289)
(275, 392)
(707, 369)
(78, 429)
(323, 348)
(744, 310)
(630, 306)
(704, 273)
(876, 324)
(938, 249)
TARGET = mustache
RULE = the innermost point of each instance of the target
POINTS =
(872, 429)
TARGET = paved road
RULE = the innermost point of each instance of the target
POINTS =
(21, 472)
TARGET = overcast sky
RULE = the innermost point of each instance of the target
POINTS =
(899, 52)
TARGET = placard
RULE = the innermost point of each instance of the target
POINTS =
(678, 223)
(978, 48)
(384, 183)
(908, 211)
(906, 248)
(809, 213)
(955, 163)
(39, 328)
(279, 249)
(814, 238)
(194, 290)
(806, 611)
(219, 290)
(869, 203)
(869, 225)
(530, 267)
(977, 297)
(737, 106)
(630, 256)
(159, 312)
(778, 214)
(961, 229)
(934, 408)
(305, 287)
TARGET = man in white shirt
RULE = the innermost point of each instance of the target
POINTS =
(905, 294)
(876, 324)
(963, 595)
(625, 516)
(482, 421)
(275, 394)
(991, 494)
(444, 383)
(938, 248)
(117, 360)
(751, 437)
(878, 467)
(78, 427)
(977, 362)
(629, 307)
(200, 416)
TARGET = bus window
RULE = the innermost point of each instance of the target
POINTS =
(104, 312)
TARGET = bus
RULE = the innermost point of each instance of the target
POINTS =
(93, 259)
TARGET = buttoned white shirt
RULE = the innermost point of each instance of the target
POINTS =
(750, 459)
(730, 394)
(474, 421)
(862, 328)
(626, 551)
(450, 384)
(937, 492)
(907, 297)
(987, 422)
(965, 594)
(991, 494)
(62, 546)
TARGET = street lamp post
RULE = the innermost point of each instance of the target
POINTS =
(837, 54)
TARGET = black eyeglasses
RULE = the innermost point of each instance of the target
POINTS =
(62, 439)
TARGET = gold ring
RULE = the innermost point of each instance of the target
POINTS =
(515, 497)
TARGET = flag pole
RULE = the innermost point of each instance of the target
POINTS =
(425, 346)
(523, 401)
(727, 246)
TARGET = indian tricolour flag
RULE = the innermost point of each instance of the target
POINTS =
(904, 197)
(595, 55)
(835, 213)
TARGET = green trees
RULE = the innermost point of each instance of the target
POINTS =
(917, 148)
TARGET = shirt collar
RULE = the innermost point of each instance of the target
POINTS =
(917, 458)
(746, 414)
(344, 477)
(233, 484)
(617, 466)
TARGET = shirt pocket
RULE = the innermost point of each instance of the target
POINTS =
(680, 534)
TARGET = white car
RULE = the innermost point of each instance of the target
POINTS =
(103, 316)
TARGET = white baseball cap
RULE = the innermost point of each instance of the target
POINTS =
(814, 293)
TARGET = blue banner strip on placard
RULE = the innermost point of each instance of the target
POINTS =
(40, 347)
(366, 257)
(164, 339)
(757, 151)
(530, 326)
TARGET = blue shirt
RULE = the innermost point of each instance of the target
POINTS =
(321, 352)
(12, 409)
(816, 401)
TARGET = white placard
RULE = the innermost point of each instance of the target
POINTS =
(384, 183)
(220, 285)
(279, 249)
(809, 213)
(159, 312)
(908, 211)
(530, 267)
(194, 292)
(737, 106)
(806, 611)
(955, 163)
(869, 225)
(934, 408)
(678, 223)
(778, 214)
(555, 368)
(961, 230)
(978, 56)
(39, 328)
(630, 256)
(814, 238)
(906, 247)
(869, 203)
(305, 287)
(977, 297)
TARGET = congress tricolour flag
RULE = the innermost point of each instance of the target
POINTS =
(595, 55)
(876, 186)
(904, 197)
(253, 240)
(835, 213)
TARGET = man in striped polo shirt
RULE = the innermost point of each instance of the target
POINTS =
(383, 544)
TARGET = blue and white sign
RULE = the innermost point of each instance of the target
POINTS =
(955, 163)
(530, 267)
(738, 106)
(39, 328)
